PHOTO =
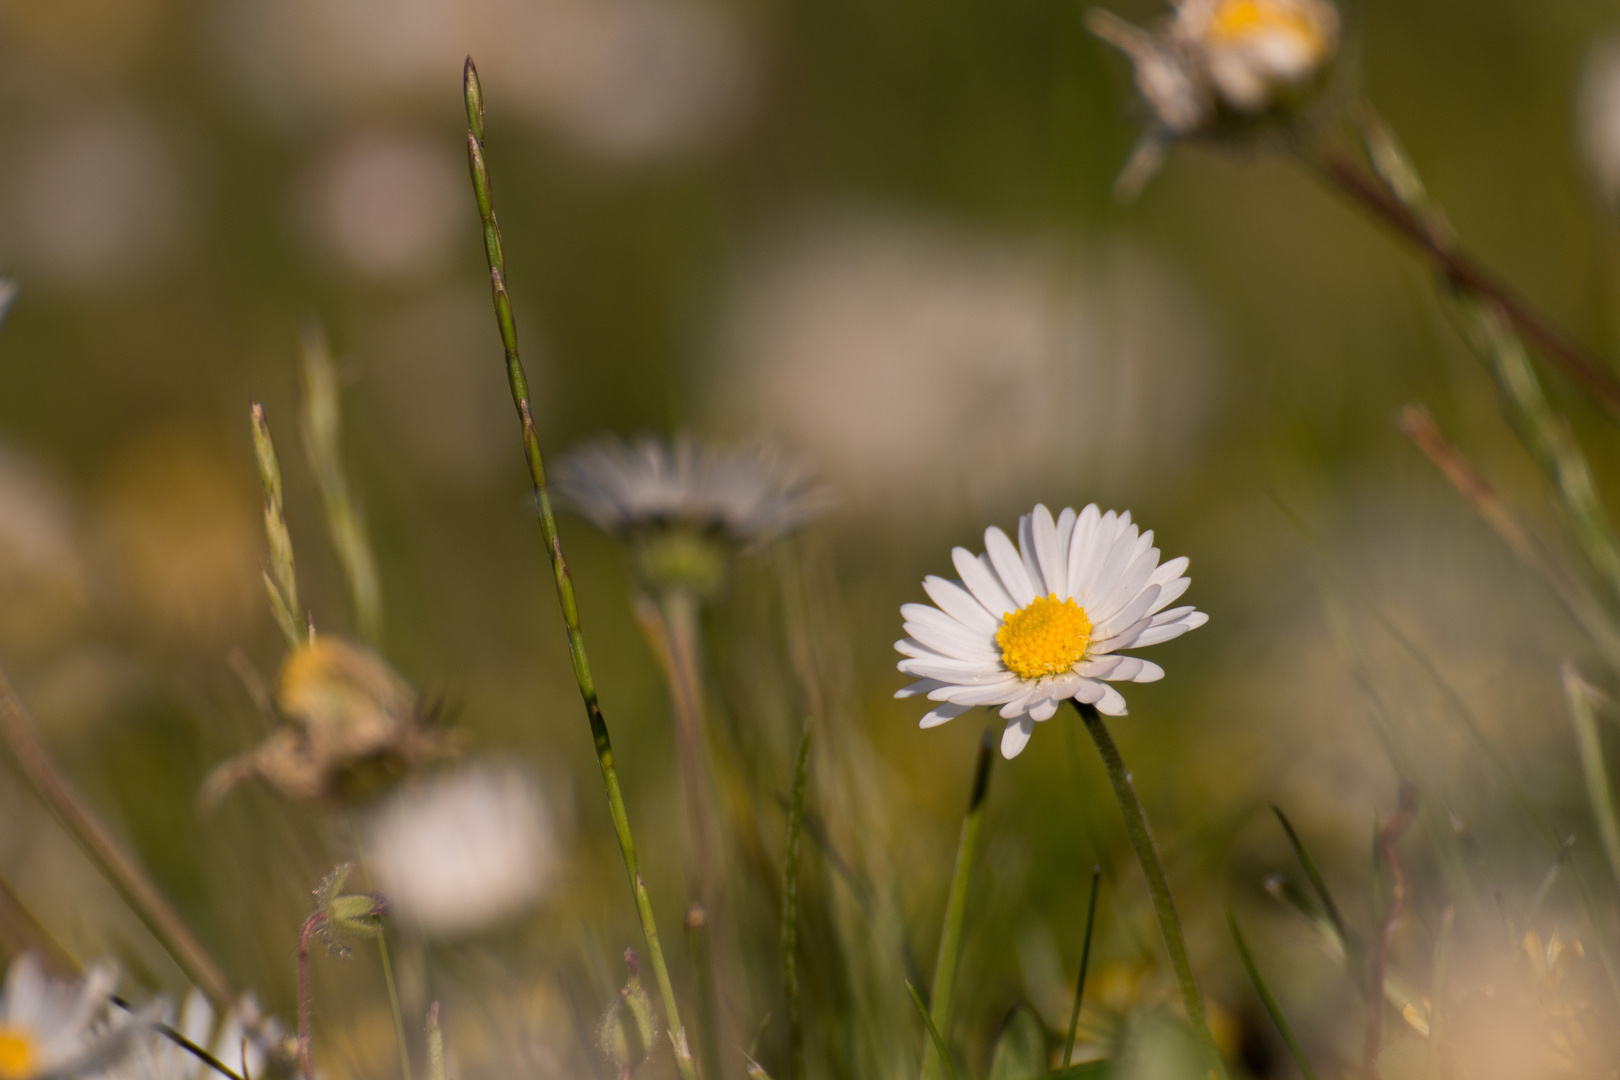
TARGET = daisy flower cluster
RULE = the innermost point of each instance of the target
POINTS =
(1030, 626)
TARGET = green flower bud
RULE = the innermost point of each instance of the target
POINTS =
(628, 1028)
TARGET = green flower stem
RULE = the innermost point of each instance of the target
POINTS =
(122, 869)
(559, 567)
(950, 942)
(1163, 906)
(1085, 961)
(790, 907)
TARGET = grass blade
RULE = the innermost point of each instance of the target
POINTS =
(1267, 1000)
(790, 907)
(1351, 945)
(950, 940)
(933, 1032)
(1085, 959)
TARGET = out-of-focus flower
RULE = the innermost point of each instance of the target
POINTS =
(386, 205)
(675, 501)
(53, 1027)
(1031, 626)
(352, 726)
(245, 1042)
(1599, 108)
(458, 851)
(98, 201)
(625, 79)
(976, 369)
(1220, 62)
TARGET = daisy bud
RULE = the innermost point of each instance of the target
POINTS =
(629, 1027)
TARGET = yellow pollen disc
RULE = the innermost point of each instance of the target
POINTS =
(17, 1053)
(1235, 20)
(1044, 637)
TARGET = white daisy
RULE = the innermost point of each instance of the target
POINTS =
(55, 1028)
(1254, 49)
(750, 495)
(243, 1043)
(1028, 627)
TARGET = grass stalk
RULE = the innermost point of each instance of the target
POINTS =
(1164, 906)
(344, 520)
(1085, 961)
(1590, 745)
(393, 1004)
(279, 580)
(120, 867)
(1270, 1002)
(790, 906)
(950, 941)
(564, 580)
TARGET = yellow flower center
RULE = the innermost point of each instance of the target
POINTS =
(1044, 637)
(18, 1053)
(1235, 20)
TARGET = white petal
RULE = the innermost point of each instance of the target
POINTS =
(982, 581)
(1112, 702)
(1009, 566)
(1048, 554)
(1016, 737)
(1099, 667)
(916, 689)
(1099, 549)
(1089, 692)
(1026, 551)
(1170, 592)
(1042, 711)
(1150, 672)
(1085, 528)
(959, 604)
(1022, 703)
(1132, 611)
(1065, 536)
(988, 694)
(1162, 632)
(939, 714)
(1123, 639)
(946, 671)
(1131, 581)
(943, 634)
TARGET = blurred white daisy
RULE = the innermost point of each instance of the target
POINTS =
(1028, 627)
(243, 1043)
(53, 1027)
(463, 849)
(752, 495)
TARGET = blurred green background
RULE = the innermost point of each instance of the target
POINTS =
(880, 234)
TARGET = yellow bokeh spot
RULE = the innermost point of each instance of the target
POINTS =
(1235, 20)
(1044, 637)
(18, 1053)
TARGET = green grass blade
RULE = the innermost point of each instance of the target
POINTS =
(790, 907)
(933, 1032)
(1085, 960)
(1319, 886)
(1268, 1001)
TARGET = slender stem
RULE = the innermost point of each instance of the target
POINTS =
(304, 1037)
(121, 868)
(1085, 961)
(698, 952)
(559, 566)
(790, 907)
(1270, 1002)
(950, 942)
(1598, 791)
(1163, 905)
(1388, 834)
(1575, 360)
(393, 1004)
(678, 609)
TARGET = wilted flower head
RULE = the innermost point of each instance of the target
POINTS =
(1031, 626)
(674, 501)
(463, 849)
(352, 725)
(1218, 62)
(53, 1027)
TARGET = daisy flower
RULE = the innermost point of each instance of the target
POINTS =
(243, 1042)
(1031, 626)
(58, 1027)
(685, 506)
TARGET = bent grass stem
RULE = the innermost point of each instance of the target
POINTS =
(1163, 905)
(950, 941)
(518, 382)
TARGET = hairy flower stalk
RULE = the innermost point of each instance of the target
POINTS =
(565, 584)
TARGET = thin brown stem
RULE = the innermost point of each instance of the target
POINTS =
(1463, 271)
(311, 924)
(1388, 835)
(121, 868)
